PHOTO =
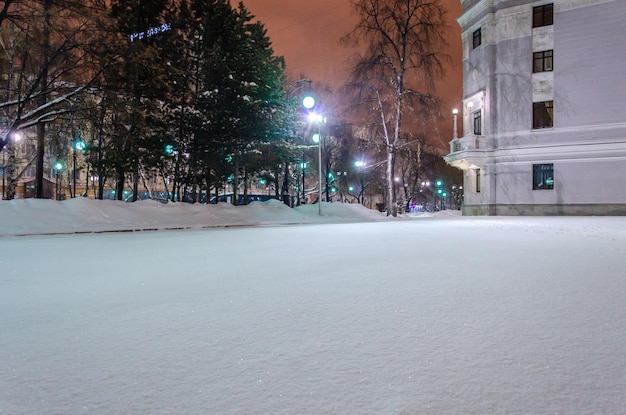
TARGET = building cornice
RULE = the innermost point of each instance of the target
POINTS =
(476, 10)
(480, 7)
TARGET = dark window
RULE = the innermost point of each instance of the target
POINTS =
(477, 123)
(477, 180)
(542, 61)
(543, 176)
(543, 15)
(476, 38)
(543, 114)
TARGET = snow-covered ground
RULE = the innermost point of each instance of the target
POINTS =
(350, 313)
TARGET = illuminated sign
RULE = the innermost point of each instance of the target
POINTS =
(150, 32)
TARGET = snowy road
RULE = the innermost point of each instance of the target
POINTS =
(449, 316)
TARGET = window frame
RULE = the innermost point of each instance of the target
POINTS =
(543, 61)
(543, 15)
(543, 176)
(477, 38)
(477, 183)
(543, 115)
(477, 120)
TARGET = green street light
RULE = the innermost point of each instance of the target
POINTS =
(439, 183)
(58, 166)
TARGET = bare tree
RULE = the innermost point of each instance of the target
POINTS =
(395, 75)
(45, 64)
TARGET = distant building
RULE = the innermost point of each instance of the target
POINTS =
(544, 109)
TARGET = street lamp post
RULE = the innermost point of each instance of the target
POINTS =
(317, 137)
(454, 131)
(309, 102)
(79, 145)
(58, 166)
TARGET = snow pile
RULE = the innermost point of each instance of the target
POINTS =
(81, 215)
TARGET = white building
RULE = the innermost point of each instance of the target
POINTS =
(544, 109)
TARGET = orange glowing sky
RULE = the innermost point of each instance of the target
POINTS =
(308, 32)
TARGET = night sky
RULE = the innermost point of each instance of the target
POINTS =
(307, 33)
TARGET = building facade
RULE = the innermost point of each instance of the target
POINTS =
(544, 109)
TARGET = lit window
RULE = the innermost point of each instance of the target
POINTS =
(543, 114)
(542, 61)
(543, 15)
(476, 38)
(543, 176)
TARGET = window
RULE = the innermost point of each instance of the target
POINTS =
(543, 114)
(542, 61)
(29, 171)
(477, 123)
(543, 15)
(476, 38)
(543, 176)
(477, 180)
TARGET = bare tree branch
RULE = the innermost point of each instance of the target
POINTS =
(398, 70)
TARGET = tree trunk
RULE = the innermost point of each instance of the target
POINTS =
(236, 181)
(276, 182)
(245, 185)
(391, 201)
(41, 143)
(135, 183)
(119, 184)
(100, 187)
(10, 171)
(285, 187)
(43, 98)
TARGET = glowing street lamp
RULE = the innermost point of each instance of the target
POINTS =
(308, 102)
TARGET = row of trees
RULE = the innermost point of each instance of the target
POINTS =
(192, 90)
(189, 89)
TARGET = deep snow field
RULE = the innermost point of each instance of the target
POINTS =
(263, 309)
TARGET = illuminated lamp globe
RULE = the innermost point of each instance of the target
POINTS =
(308, 102)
